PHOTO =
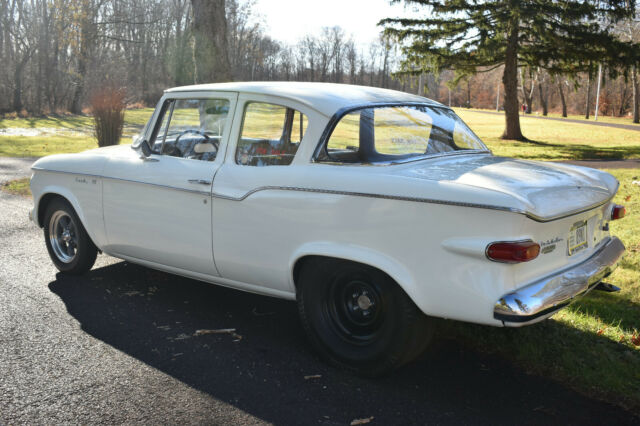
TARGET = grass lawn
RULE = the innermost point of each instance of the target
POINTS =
(73, 122)
(593, 345)
(58, 134)
(554, 140)
(601, 118)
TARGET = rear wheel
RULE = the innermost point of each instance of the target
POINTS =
(357, 317)
(68, 243)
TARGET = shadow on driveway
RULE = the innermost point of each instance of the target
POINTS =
(153, 316)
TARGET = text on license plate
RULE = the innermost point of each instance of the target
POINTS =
(577, 238)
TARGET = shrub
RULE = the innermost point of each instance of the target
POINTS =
(107, 106)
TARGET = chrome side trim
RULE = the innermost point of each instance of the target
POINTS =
(193, 191)
(365, 194)
(548, 295)
(354, 194)
(414, 199)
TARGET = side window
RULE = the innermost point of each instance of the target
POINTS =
(393, 133)
(192, 128)
(270, 135)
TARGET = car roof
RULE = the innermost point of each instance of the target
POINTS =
(326, 98)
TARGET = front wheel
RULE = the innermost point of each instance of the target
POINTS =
(357, 317)
(68, 243)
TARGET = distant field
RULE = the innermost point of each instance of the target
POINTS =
(37, 137)
(554, 140)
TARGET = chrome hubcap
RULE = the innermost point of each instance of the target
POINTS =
(63, 236)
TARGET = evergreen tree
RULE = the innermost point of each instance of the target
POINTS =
(562, 36)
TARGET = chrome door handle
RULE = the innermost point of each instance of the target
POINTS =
(200, 181)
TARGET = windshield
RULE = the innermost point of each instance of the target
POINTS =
(397, 133)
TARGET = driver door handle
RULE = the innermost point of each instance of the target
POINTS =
(200, 181)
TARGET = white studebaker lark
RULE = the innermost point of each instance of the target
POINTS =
(374, 209)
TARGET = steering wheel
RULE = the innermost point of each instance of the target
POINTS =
(197, 132)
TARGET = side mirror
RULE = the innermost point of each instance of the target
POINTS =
(145, 149)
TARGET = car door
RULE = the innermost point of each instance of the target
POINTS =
(249, 228)
(158, 208)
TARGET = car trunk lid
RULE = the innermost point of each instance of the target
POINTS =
(546, 190)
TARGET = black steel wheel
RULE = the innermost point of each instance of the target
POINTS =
(359, 318)
(68, 243)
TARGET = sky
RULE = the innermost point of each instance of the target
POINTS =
(290, 20)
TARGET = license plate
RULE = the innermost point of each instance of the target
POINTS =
(577, 238)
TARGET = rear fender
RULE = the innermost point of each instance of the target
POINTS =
(367, 256)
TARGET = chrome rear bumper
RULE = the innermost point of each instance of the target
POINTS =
(544, 297)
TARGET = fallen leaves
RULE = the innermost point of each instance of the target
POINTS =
(231, 331)
(313, 376)
(361, 421)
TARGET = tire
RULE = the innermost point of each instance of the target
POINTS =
(358, 318)
(68, 243)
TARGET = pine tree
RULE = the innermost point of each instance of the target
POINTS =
(561, 36)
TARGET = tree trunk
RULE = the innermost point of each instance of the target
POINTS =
(634, 82)
(17, 88)
(210, 54)
(87, 38)
(588, 106)
(543, 99)
(510, 81)
(76, 102)
(562, 99)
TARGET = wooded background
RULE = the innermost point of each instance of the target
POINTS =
(55, 53)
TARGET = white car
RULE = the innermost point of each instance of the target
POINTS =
(373, 209)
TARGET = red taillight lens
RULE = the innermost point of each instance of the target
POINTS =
(618, 212)
(513, 252)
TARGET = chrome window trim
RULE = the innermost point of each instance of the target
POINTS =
(333, 122)
(214, 194)
(406, 160)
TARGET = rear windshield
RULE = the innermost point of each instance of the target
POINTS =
(398, 133)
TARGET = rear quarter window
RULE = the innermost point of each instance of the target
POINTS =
(394, 133)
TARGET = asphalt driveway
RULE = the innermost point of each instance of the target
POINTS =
(121, 345)
(15, 167)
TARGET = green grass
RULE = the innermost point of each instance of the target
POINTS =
(73, 122)
(26, 146)
(17, 187)
(65, 133)
(601, 118)
(554, 140)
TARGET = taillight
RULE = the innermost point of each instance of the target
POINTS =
(618, 212)
(513, 252)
